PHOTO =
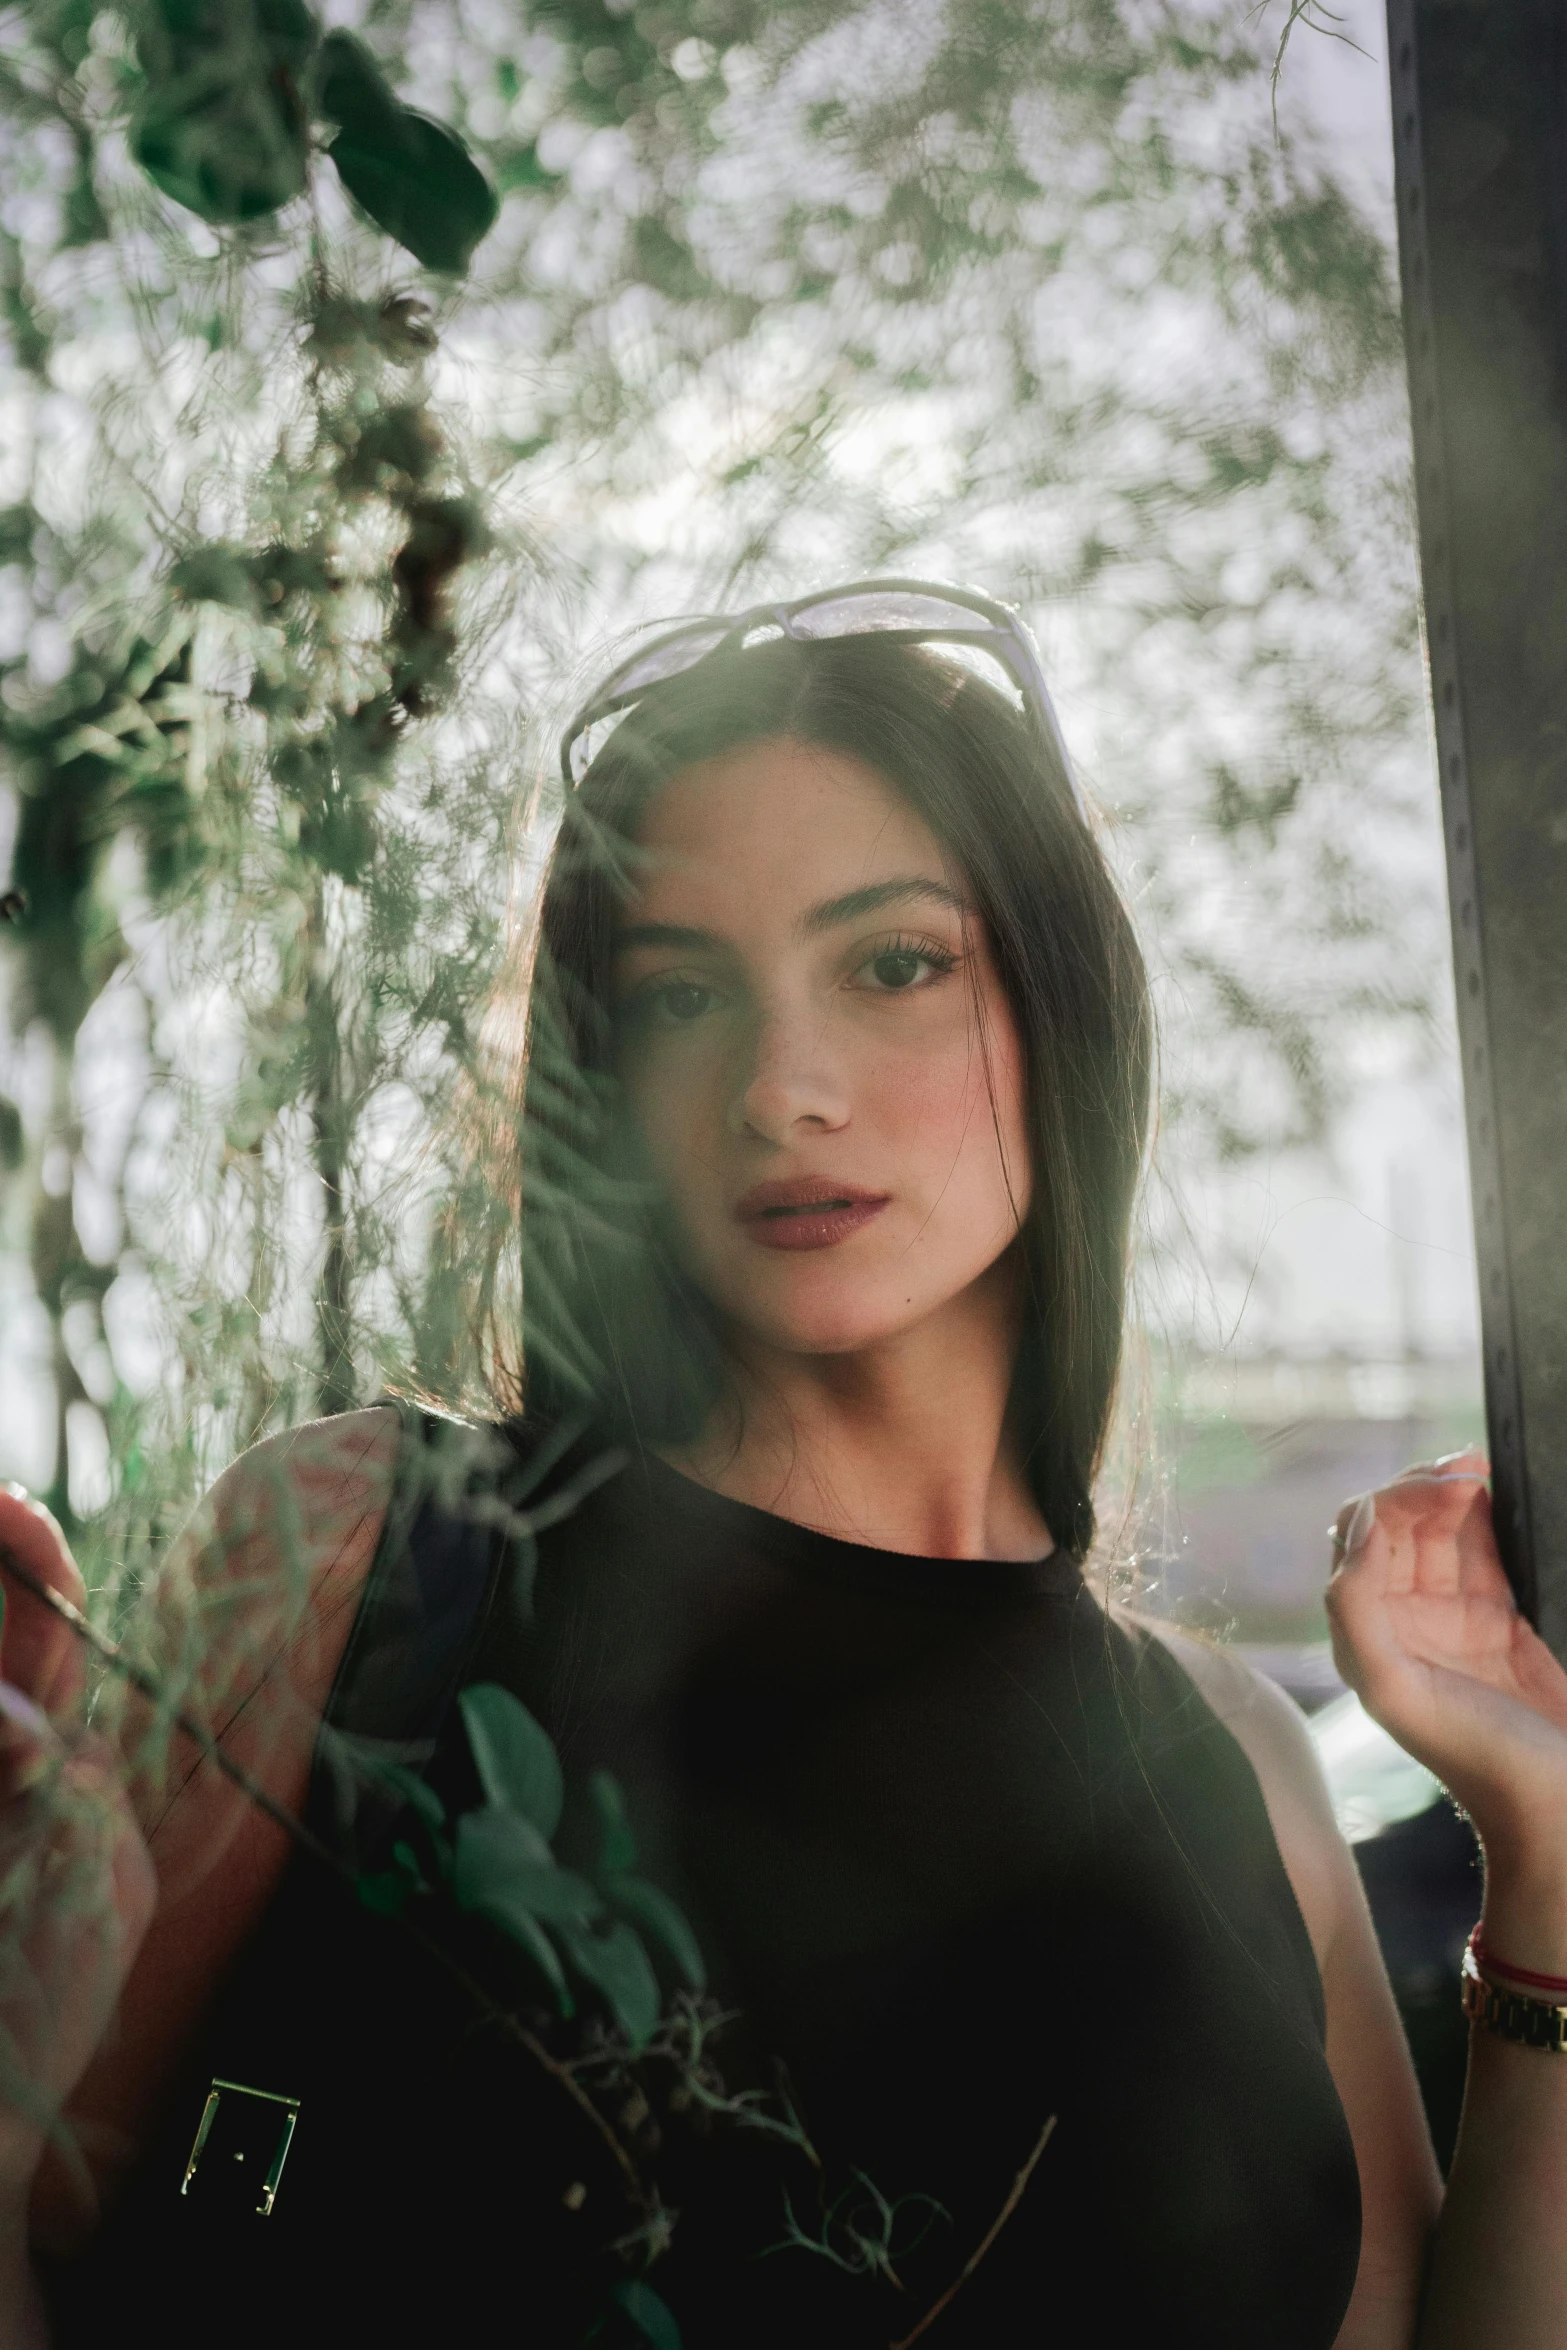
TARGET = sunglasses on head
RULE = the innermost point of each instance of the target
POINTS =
(909, 611)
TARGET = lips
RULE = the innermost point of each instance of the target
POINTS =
(807, 1212)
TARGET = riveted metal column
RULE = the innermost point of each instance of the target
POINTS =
(1480, 141)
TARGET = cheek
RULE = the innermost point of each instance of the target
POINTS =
(958, 1112)
(673, 1101)
(1007, 1121)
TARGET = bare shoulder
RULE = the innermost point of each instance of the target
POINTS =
(302, 1495)
(1258, 1713)
(1271, 1732)
(1366, 2050)
(278, 1552)
(252, 1610)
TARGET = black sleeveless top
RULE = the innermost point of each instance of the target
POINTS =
(962, 1855)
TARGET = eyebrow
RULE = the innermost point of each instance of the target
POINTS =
(829, 915)
(832, 911)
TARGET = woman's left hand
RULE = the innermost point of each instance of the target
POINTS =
(1428, 1634)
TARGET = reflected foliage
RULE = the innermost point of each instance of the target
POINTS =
(300, 551)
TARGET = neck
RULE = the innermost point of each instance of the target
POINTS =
(904, 1445)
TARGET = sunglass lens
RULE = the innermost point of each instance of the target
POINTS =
(663, 661)
(892, 608)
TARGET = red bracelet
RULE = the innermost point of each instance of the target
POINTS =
(1516, 1974)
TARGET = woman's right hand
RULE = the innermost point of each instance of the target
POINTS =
(76, 1882)
(1427, 1631)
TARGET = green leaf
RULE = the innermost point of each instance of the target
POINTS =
(230, 156)
(417, 1793)
(12, 1147)
(418, 181)
(502, 1859)
(660, 1920)
(223, 129)
(617, 1846)
(521, 1927)
(491, 1844)
(289, 30)
(558, 1897)
(496, 1851)
(383, 1890)
(180, 36)
(617, 1965)
(648, 2312)
(517, 1765)
(350, 88)
(387, 1890)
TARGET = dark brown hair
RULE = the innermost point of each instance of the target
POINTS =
(611, 1322)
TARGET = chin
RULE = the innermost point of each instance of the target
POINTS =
(828, 1323)
(825, 1335)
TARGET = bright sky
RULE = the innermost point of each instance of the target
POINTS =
(1372, 1254)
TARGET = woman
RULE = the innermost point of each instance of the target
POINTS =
(1039, 1932)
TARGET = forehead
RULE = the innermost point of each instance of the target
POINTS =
(776, 827)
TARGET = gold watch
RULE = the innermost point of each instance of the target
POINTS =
(1512, 2015)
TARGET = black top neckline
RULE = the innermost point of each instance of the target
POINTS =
(898, 1576)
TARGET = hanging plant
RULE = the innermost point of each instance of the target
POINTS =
(225, 128)
(413, 175)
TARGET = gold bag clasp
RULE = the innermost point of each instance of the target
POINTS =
(263, 2147)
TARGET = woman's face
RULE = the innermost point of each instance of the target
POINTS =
(818, 1051)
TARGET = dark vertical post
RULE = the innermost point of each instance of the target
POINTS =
(1480, 137)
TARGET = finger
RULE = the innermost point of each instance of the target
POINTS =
(1426, 1513)
(1368, 1649)
(1481, 1571)
(1450, 1467)
(1435, 1493)
(38, 1653)
(1357, 1619)
(1442, 1522)
(1367, 1525)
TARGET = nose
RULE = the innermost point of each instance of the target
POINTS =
(790, 1083)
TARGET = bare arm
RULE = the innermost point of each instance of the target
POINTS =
(1400, 2187)
(76, 1886)
(255, 1605)
(1425, 1628)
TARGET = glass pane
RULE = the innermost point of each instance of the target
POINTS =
(720, 359)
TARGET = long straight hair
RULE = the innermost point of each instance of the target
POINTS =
(611, 1323)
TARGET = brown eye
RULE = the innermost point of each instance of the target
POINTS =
(898, 968)
(674, 1003)
(903, 965)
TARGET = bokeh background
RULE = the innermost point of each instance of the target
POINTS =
(1091, 303)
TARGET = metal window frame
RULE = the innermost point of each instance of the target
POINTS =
(1479, 98)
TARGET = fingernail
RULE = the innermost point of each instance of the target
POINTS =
(1362, 1518)
(1469, 1452)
